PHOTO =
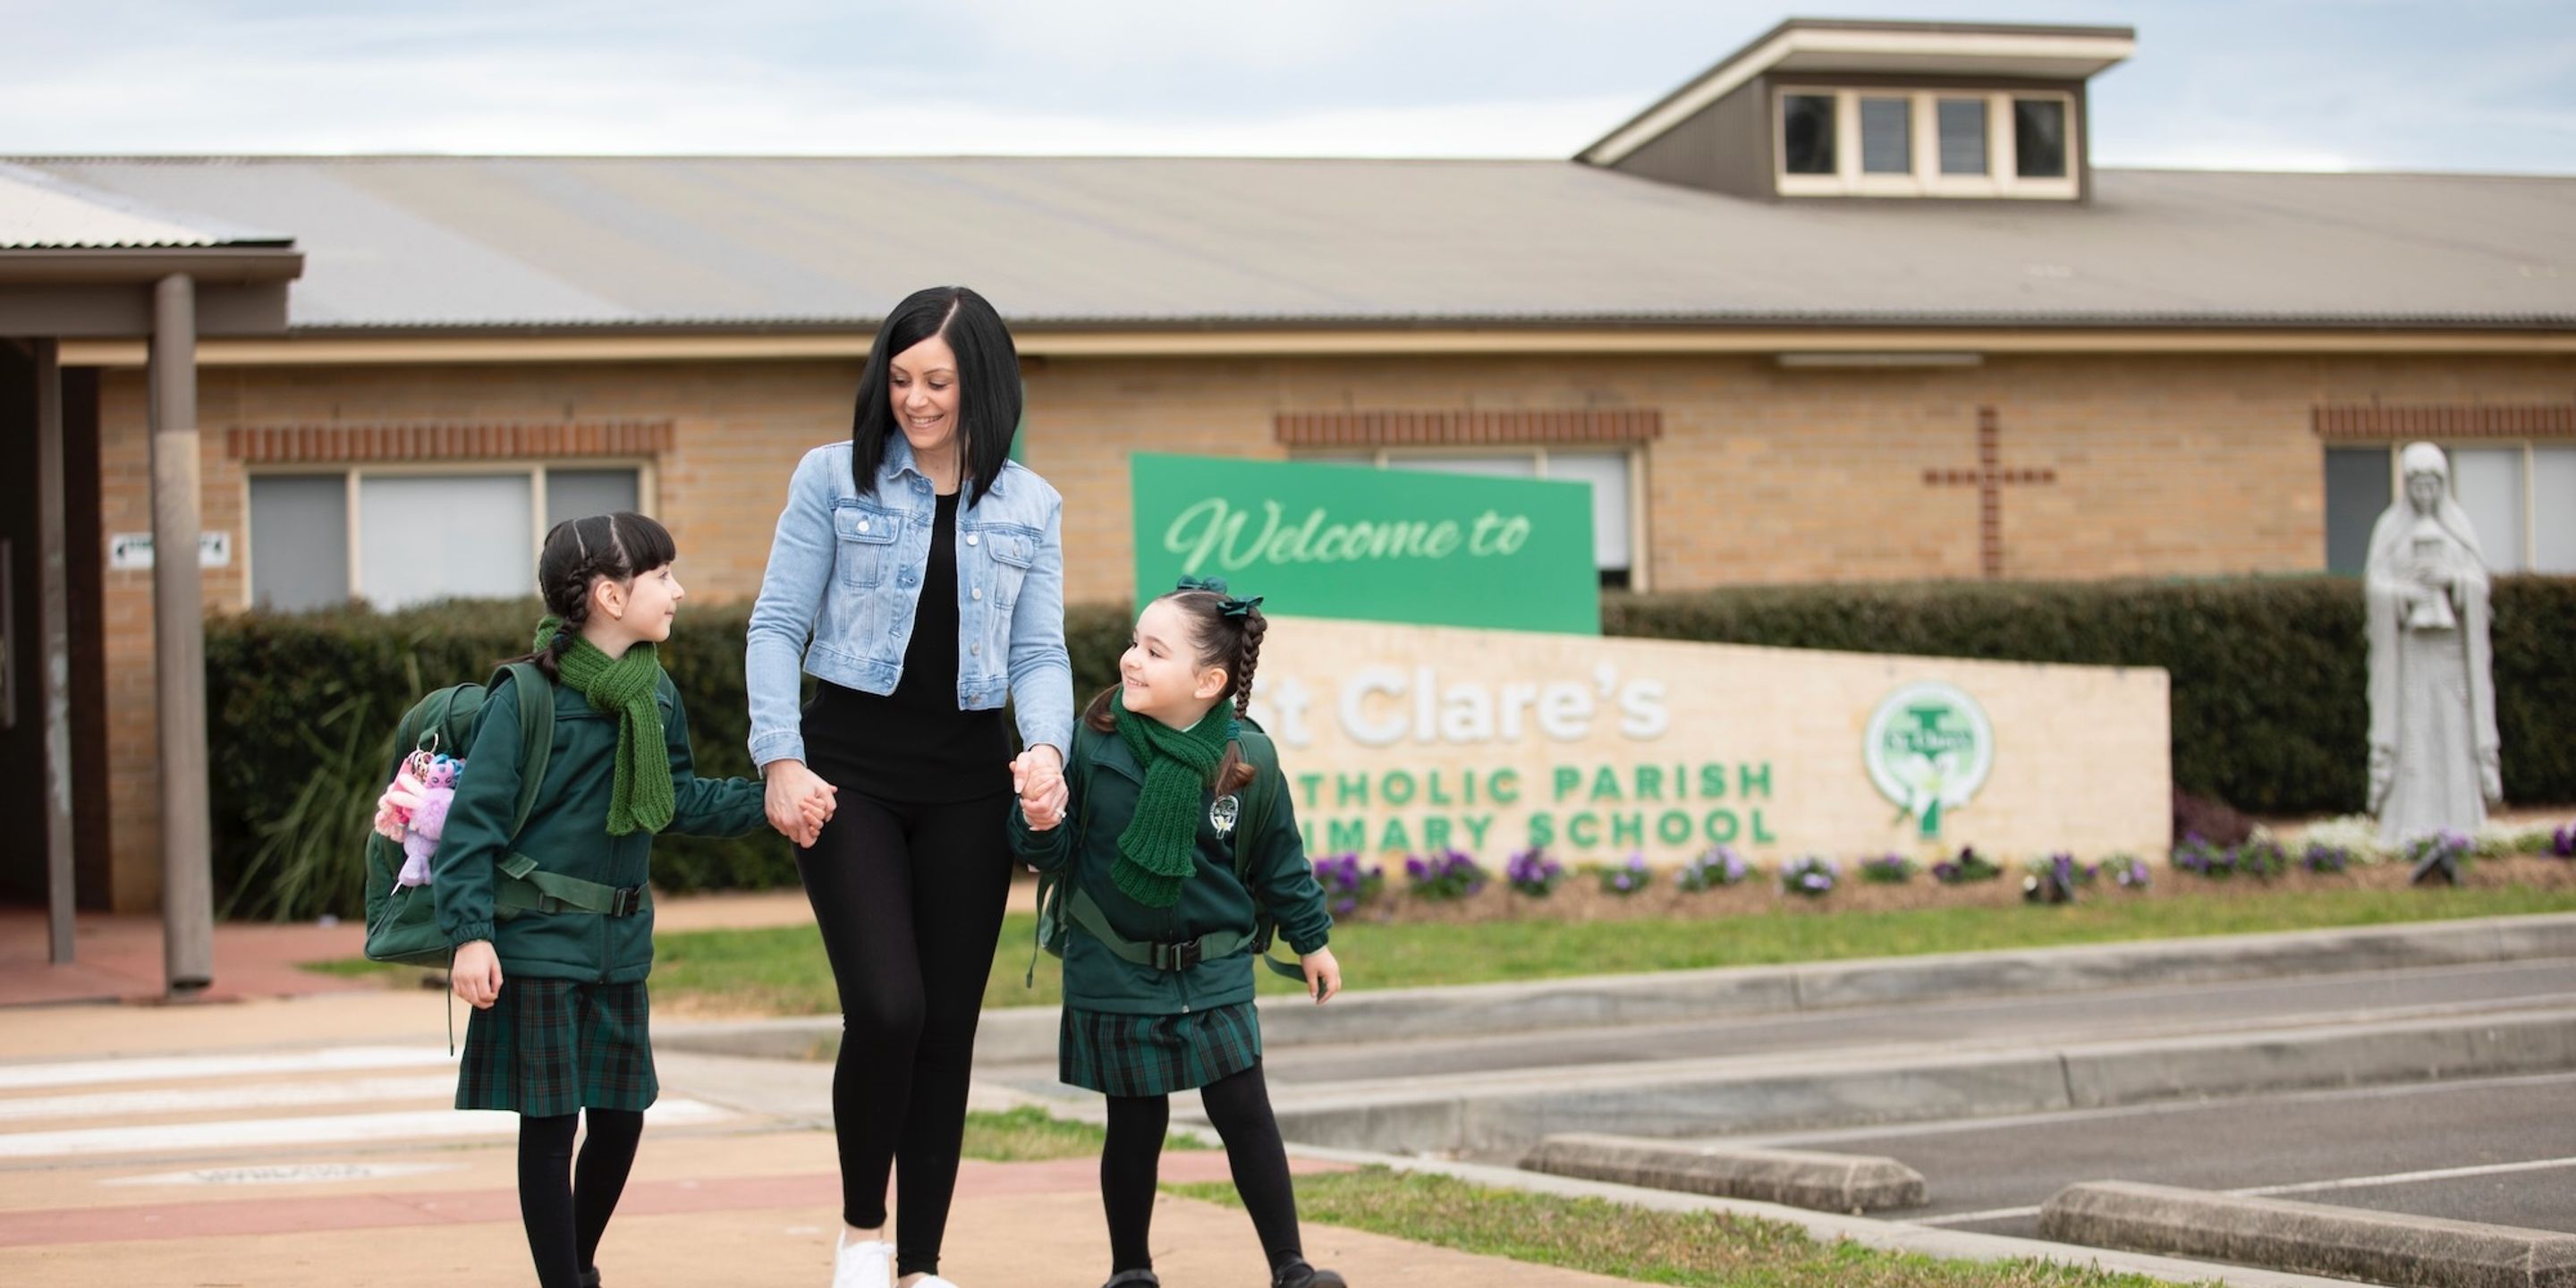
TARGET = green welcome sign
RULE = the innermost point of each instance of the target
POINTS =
(1376, 545)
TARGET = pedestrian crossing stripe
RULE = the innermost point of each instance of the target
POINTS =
(77, 1073)
(324, 1129)
(194, 1100)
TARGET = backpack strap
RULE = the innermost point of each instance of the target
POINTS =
(525, 887)
(536, 696)
(1062, 901)
(522, 886)
(1260, 798)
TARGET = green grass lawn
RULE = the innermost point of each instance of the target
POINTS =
(1030, 1134)
(781, 971)
(1701, 1249)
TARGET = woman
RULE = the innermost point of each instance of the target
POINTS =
(2433, 761)
(918, 574)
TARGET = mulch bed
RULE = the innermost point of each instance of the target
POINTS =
(1580, 897)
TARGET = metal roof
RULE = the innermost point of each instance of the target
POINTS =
(42, 211)
(413, 243)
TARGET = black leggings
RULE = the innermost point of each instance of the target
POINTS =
(1239, 1108)
(566, 1208)
(909, 898)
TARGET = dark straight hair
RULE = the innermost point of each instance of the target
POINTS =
(988, 384)
(578, 552)
(1230, 642)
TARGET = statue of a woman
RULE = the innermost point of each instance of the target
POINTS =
(2432, 699)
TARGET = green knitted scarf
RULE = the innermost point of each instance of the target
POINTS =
(1156, 851)
(641, 795)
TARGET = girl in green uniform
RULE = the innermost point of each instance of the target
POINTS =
(1158, 957)
(559, 1025)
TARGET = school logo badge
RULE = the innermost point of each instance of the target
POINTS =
(1928, 748)
(1222, 814)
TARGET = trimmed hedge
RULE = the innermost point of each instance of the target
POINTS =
(2269, 711)
(288, 694)
(2270, 702)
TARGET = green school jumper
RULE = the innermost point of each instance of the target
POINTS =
(1131, 1029)
(570, 1028)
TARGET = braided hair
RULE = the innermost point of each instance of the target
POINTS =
(578, 552)
(1231, 642)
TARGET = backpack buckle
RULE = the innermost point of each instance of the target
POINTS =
(1176, 957)
(626, 901)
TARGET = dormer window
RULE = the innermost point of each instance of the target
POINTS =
(1836, 142)
(1819, 108)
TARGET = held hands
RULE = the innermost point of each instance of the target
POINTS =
(1323, 975)
(799, 802)
(475, 975)
(1037, 774)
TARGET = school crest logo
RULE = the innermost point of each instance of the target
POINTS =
(1929, 748)
(1221, 815)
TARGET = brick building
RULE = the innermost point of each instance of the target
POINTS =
(1855, 304)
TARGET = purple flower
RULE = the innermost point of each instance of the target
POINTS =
(1887, 868)
(2446, 846)
(1532, 873)
(1811, 875)
(2197, 855)
(2321, 857)
(1628, 878)
(1348, 884)
(1719, 867)
(1969, 866)
(1450, 874)
(2563, 842)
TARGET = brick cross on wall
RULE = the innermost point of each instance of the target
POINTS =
(1990, 479)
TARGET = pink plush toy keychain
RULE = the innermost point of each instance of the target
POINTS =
(414, 808)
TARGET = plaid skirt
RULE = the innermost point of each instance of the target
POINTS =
(1156, 1055)
(550, 1047)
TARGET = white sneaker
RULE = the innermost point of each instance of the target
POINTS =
(932, 1281)
(867, 1263)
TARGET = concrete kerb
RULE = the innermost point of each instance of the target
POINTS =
(1509, 1113)
(1797, 1177)
(1021, 1035)
(1891, 1236)
(2355, 1243)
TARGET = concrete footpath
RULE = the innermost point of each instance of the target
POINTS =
(304, 1142)
(307, 1140)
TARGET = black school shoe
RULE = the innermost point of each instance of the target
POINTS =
(1298, 1274)
(590, 1278)
(1133, 1279)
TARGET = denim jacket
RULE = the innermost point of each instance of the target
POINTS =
(845, 575)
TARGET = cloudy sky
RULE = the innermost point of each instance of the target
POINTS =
(2482, 85)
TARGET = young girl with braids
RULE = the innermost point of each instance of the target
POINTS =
(559, 1024)
(1159, 784)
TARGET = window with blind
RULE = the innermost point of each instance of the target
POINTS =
(1927, 143)
(1963, 135)
(1886, 135)
(2520, 497)
(394, 537)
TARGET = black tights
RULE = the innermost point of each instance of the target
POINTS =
(909, 898)
(1239, 1108)
(566, 1206)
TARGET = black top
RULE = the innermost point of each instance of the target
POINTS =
(913, 745)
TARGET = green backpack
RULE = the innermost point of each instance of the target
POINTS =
(402, 921)
(1063, 904)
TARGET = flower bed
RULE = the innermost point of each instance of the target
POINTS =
(1758, 889)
